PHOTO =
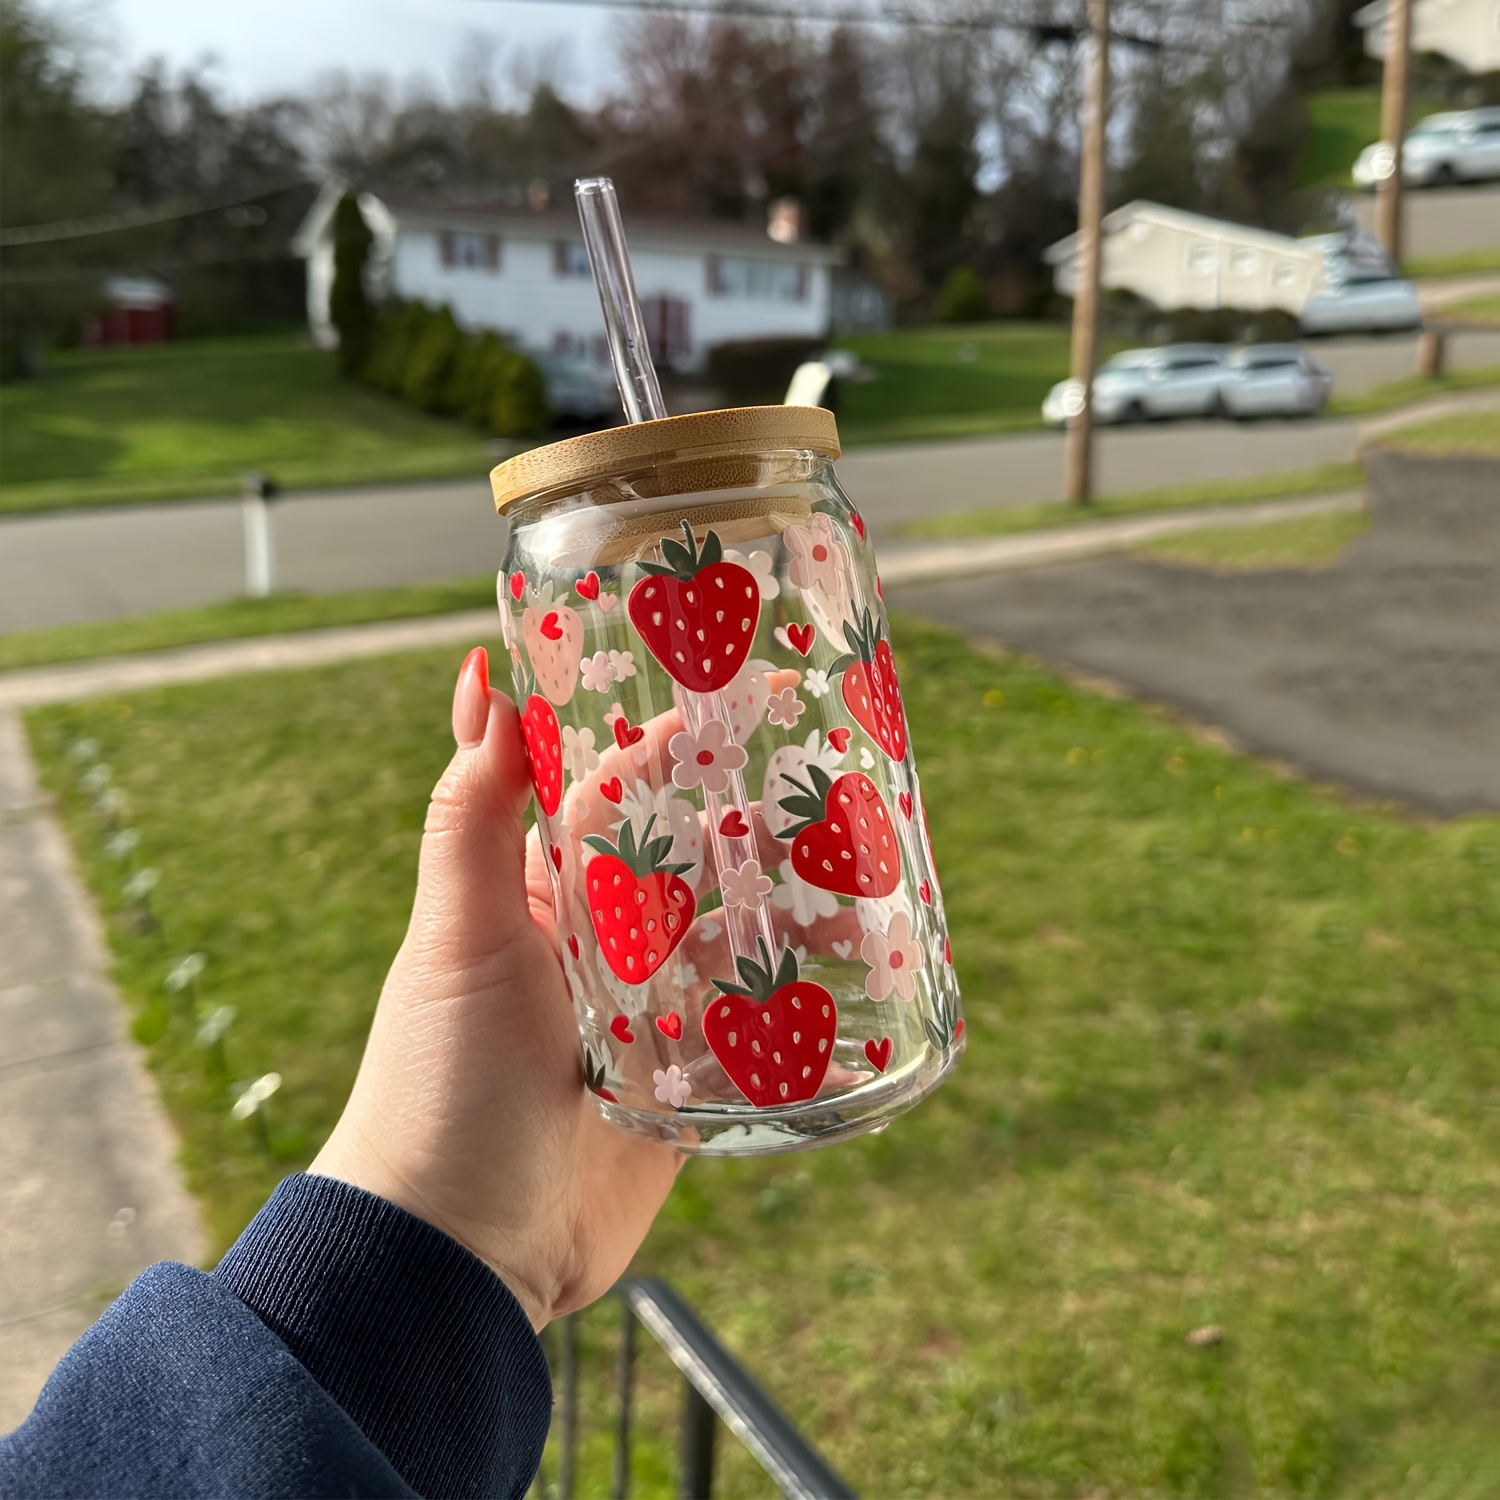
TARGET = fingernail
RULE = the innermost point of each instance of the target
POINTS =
(471, 699)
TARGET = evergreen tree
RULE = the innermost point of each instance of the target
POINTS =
(348, 302)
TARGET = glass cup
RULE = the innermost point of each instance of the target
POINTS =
(748, 911)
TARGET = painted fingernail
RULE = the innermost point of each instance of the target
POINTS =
(471, 699)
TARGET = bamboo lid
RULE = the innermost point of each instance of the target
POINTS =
(575, 462)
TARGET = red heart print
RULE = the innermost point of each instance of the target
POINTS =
(626, 734)
(573, 944)
(839, 738)
(958, 1028)
(879, 589)
(588, 587)
(550, 628)
(802, 637)
(517, 585)
(857, 521)
(620, 1026)
(905, 801)
(925, 892)
(557, 857)
(948, 953)
(612, 790)
(879, 1053)
(733, 825)
(670, 1025)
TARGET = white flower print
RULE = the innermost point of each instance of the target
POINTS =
(784, 708)
(819, 559)
(624, 664)
(687, 974)
(816, 682)
(614, 711)
(762, 567)
(894, 956)
(671, 1087)
(705, 759)
(579, 755)
(745, 885)
(805, 902)
(598, 672)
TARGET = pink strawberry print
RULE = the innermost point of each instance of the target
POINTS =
(869, 686)
(696, 613)
(554, 644)
(639, 904)
(774, 1033)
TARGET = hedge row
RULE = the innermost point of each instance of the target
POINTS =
(420, 353)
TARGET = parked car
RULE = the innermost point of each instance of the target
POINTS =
(576, 390)
(1275, 380)
(1362, 302)
(1180, 380)
(1443, 149)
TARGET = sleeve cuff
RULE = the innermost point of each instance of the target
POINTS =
(413, 1335)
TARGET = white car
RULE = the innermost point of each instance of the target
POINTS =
(1180, 380)
(1362, 302)
(1275, 380)
(1442, 149)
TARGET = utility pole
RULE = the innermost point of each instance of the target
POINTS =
(1078, 454)
(1388, 190)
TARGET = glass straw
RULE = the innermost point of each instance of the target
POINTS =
(640, 393)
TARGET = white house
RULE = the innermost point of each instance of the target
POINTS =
(524, 273)
(1466, 32)
(1174, 259)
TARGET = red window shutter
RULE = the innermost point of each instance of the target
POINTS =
(445, 247)
(492, 252)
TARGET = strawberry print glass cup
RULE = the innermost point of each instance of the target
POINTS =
(748, 910)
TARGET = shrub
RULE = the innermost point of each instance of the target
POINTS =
(434, 353)
(396, 333)
(752, 372)
(963, 298)
(518, 405)
(348, 306)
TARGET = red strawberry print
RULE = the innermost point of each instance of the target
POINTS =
(870, 688)
(696, 613)
(857, 521)
(620, 1027)
(626, 734)
(517, 585)
(841, 834)
(670, 1025)
(573, 944)
(839, 738)
(539, 728)
(612, 790)
(879, 1053)
(925, 892)
(947, 952)
(802, 637)
(639, 906)
(733, 825)
(774, 1033)
(588, 587)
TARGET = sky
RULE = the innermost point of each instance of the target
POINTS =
(274, 46)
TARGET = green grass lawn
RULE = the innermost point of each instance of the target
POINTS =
(946, 382)
(181, 419)
(1344, 122)
(1300, 542)
(1463, 263)
(240, 618)
(1398, 393)
(1464, 432)
(1326, 479)
(1484, 310)
(1234, 1061)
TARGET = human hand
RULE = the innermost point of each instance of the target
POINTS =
(470, 1109)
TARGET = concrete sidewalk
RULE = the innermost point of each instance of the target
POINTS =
(89, 1189)
(914, 563)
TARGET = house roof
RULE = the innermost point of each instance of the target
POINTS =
(1141, 210)
(410, 210)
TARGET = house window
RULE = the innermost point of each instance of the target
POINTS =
(1202, 259)
(569, 258)
(1243, 262)
(1285, 274)
(757, 280)
(469, 252)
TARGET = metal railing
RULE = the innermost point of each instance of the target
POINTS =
(716, 1387)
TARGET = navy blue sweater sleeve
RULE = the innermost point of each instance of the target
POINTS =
(343, 1347)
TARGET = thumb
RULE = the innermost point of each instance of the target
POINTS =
(471, 881)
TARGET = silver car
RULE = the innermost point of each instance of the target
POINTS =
(1179, 380)
(1275, 380)
(1443, 149)
(1362, 302)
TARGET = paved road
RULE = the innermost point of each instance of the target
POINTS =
(1381, 673)
(110, 564)
(1444, 221)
